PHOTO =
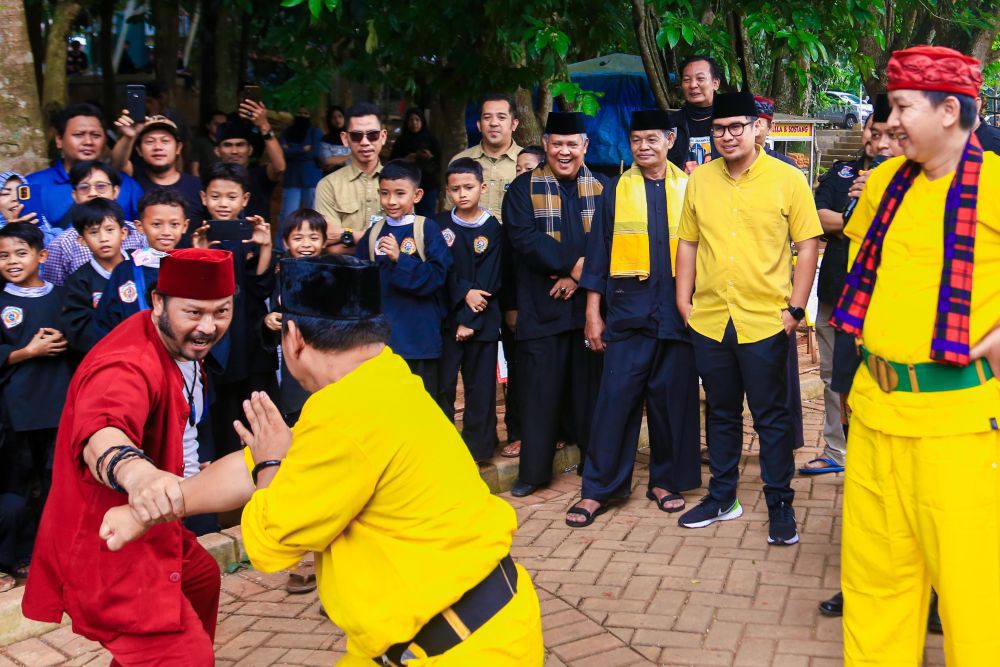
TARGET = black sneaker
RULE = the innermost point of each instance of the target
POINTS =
(708, 511)
(782, 529)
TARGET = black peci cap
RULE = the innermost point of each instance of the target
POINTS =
(563, 122)
(730, 105)
(332, 287)
(650, 119)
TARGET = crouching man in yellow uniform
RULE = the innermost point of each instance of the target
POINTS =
(412, 550)
(922, 493)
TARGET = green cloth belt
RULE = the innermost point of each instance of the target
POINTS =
(927, 376)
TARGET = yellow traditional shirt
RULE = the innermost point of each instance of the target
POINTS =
(498, 172)
(899, 323)
(742, 228)
(384, 491)
(348, 198)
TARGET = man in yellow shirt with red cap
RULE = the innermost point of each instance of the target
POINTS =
(412, 550)
(922, 493)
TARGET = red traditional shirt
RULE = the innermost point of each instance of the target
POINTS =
(130, 382)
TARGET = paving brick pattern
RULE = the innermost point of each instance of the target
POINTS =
(633, 589)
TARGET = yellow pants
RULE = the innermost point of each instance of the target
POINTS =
(512, 638)
(920, 512)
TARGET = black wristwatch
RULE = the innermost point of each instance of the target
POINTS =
(347, 238)
(268, 135)
(798, 313)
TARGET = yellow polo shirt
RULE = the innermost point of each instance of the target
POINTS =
(384, 491)
(743, 228)
(899, 324)
(348, 198)
(498, 172)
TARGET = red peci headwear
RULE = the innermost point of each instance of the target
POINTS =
(765, 107)
(197, 273)
(935, 68)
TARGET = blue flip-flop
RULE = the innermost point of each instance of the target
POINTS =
(832, 466)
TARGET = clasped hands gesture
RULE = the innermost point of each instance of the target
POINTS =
(156, 496)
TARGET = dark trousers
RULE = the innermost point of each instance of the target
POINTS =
(511, 391)
(477, 361)
(426, 370)
(661, 374)
(227, 408)
(795, 394)
(558, 377)
(758, 370)
(25, 474)
(15, 531)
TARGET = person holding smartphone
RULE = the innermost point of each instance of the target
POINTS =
(14, 192)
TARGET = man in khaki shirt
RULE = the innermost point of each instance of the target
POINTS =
(497, 152)
(348, 198)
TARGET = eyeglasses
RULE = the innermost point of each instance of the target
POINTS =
(99, 188)
(736, 129)
(357, 135)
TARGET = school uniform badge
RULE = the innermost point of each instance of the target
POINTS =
(12, 316)
(95, 299)
(449, 236)
(408, 246)
(480, 244)
(127, 292)
(847, 171)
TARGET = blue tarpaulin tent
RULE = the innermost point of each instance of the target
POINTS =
(622, 79)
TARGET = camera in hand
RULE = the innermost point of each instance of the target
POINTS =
(229, 230)
(853, 202)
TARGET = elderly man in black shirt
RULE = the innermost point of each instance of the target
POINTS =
(547, 214)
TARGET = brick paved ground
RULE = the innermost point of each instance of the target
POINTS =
(633, 589)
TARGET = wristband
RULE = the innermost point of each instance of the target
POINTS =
(269, 463)
(125, 453)
(100, 461)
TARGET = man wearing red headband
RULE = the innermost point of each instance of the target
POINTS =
(124, 437)
(922, 493)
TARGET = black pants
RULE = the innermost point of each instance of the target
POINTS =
(512, 393)
(660, 374)
(25, 478)
(477, 361)
(795, 394)
(426, 370)
(558, 377)
(227, 408)
(759, 370)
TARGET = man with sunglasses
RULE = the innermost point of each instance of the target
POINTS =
(739, 214)
(348, 198)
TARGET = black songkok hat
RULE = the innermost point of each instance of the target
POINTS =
(233, 129)
(331, 287)
(562, 122)
(882, 108)
(650, 119)
(728, 105)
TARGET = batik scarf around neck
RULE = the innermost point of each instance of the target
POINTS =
(950, 344)
(548, 206)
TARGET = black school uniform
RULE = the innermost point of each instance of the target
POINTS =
(648, 361)
(476, 251)
(558, 375)
(33, 393)
(83, 292)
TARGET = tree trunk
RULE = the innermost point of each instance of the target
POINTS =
(166, 42)
(645, 22)
(529, 129)
(108, 94)
(227, 75)
(743, 48)
(208, 99)
(22, 141)
(55, 91)
(33, 16)
(545, 103)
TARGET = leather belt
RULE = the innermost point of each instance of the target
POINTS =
(926, 377)
(453, 625)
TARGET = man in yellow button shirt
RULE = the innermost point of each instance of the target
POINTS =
(922, 492)
(412, 550)
(739, 215)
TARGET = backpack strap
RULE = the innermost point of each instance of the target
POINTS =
(418, 235)
(373, 235)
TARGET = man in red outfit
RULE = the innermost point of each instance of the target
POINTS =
(125, 435)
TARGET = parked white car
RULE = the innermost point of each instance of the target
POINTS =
(843, 109)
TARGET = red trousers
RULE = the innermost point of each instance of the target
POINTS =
(192, 646)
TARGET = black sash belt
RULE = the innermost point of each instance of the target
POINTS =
(453, 625)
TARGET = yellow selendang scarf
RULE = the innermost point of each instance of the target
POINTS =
(630, 242)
